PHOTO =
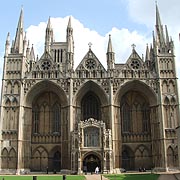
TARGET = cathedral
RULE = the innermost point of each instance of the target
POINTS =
(59, 117)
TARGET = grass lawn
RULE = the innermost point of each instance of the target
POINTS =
(133, 177)
(60, 177)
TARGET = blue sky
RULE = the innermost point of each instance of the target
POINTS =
(128, 21)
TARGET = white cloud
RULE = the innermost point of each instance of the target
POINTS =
(122, 39)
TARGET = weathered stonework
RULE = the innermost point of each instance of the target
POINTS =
(55, 116)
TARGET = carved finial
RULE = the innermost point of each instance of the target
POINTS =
(133, 46)
(89, 44)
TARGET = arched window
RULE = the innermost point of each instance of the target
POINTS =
(91, 137)
(35, 114)
(135, 113)
(125, 111)
(145, 123)
(90, 107)
(56, 118)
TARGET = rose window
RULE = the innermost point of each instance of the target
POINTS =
(135, 64)
(90, 64)
(46, 65)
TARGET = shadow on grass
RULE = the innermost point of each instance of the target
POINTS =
(133, 177)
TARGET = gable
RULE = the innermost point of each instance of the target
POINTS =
(90, 63)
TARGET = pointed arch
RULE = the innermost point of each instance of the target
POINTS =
(127, 158)
(165, 86)
(173, 100)
(171, 86)
(142, 157)
(39, 159)
(170, 157)
(5, 162)
(126, 116)
(9, 87)
(166, 101)
(7, 101)
(91, 106)
(14, 101)
(16, 87)
(12, 159)
(56, 110)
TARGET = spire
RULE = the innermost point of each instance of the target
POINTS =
(70, 45)
(147, 53)
(7, 46)
(167, 36)
(69, 22)
(49, 38)
(109, 49)
(159, 28)
(28, 51)
(69, 29)
(32, 55)
(110, 55)
(18, 43)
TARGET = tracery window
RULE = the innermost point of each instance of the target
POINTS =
(36, 119)
(126, 117)
(91, 137)
(135, 113)
(56, 118)
(90, 107)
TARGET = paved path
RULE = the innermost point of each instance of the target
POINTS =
(168, 177)
(95, 177)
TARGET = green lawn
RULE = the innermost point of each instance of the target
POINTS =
(133, 177)
(42, 177)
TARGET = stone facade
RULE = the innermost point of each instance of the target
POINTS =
(55, 116)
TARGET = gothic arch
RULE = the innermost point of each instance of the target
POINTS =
(12, 159)
(5, 164)
(142, 157)
(39, 159)
(7, 101)
(139, 86)
(54, 163)
(9, 87)
(173, 100)
(171, 86)
(166, 100)
(170, 157)
(93, 87)
(16, 87)
(127, 157)
(45, 86)
(165, 86)
(14, 101)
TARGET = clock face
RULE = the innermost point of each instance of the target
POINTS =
(46, 65)
(90, 64)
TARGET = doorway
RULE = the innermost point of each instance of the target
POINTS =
(90, 162)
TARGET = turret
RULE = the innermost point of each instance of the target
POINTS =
(7, 46)
(110, 55)
(49, 38)
(25, 45)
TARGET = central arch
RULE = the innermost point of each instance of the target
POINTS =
(90, 162)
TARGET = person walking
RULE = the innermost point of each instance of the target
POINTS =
(97, 170)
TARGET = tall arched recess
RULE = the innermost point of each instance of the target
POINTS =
(44, 113)
(91, 101)
(136, 109)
